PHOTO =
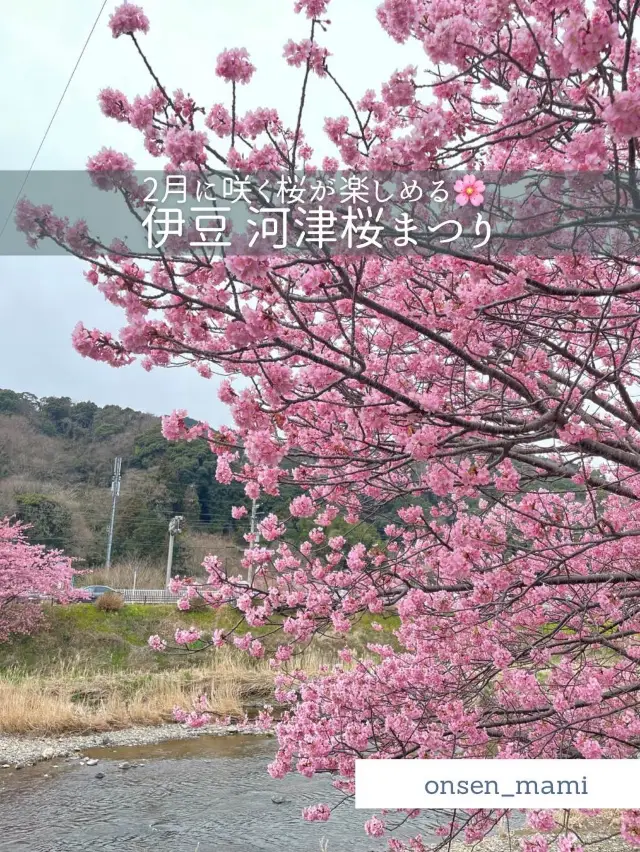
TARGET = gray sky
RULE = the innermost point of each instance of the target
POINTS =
(41, 299)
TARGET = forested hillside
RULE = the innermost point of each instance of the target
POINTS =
(56, 461)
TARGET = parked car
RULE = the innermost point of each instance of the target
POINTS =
(94, 592)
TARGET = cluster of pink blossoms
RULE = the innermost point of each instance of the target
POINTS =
(399, 17)
(114, 104)
(630, 827)
(304, 52)
(156, 643)
(187, 637)
(27, 569)
(185, 146)
(313, 8)
(623, 115)
(235, 66)
(128, 19)
(455, 395)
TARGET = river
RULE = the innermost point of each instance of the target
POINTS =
(210, 794)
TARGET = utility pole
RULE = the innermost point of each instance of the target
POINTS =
(174, 530)
(255, 535)
(115, 490)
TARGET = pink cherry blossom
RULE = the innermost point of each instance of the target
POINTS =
(26, 570)
(312, 8)
(375, 827)
(400, 90)
(630, 827)
(302, 507)
(234, 65)
(317, 813)
(128, 19)
(306, 52)
(110, 169)
(185, 146)
(398, 17)
(470, 190)
(114, 104)
(623, 115)
(569, 843)
(451, 439)
(157, 643)
(262, 448)
(219, 120)
(187, 637)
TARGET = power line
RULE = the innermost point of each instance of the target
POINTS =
(53, 118)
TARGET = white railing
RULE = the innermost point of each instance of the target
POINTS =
(148, 596)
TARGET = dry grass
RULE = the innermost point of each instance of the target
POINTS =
(198, 544)
(148, 575)
(72, 701)
(151, 575)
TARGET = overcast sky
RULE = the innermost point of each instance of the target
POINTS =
(41, 299)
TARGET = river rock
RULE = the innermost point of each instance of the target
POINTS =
(99, 775)
(27, 750)
(92, 761)
(278, 800)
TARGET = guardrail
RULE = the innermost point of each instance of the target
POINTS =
(148, 596)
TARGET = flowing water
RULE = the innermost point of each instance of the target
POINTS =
(210, 794)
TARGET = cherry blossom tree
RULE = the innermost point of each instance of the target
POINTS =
(504, 386)
(28, 571)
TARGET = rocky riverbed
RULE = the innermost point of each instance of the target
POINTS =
(16, 752)
(214, 794)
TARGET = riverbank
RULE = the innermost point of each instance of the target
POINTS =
(18, 751)
(105, 760)
(90, 671)
(74, 701)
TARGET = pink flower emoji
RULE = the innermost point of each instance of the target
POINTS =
(469, 189)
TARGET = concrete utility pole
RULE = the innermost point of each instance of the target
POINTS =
(254, 532)
(115, 489)
(174, 530)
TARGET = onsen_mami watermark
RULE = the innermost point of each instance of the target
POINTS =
(524, 787)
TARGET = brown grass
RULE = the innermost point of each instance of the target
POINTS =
(198, 544)
(73, 702)
(148, 575)
(151, 575)
(109, 602)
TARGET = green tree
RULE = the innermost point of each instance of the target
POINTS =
(50, 521)
(15, 403)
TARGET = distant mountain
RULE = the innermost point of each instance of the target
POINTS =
(56, 462)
